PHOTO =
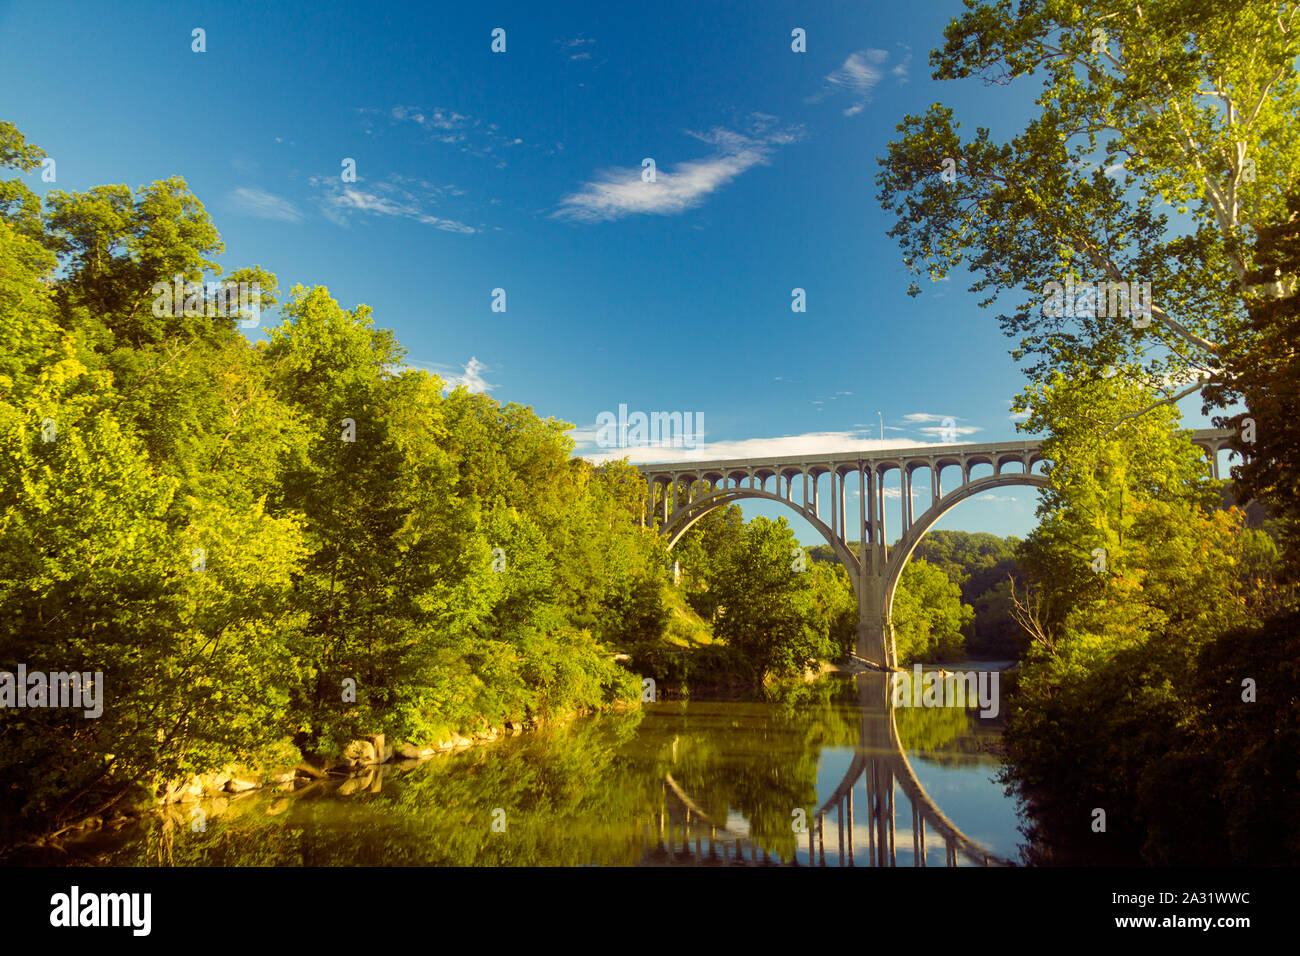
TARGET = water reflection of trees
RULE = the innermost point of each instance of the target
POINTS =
(593, 791)
(947, 736)
(766, 767)
(566, 794)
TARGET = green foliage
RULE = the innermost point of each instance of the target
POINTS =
(768, 616)
(1263, 371)
(1129, 542)
(19, 206)
(929, 616)
(766, 609)
(980, 563)
(1115, 682)
(1145, 110)
(1153, 155)
(239, 537)
(1238, 758)
(190, 515)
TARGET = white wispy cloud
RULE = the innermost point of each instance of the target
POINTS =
(939, 432)
(446, 126)
(471, 374)
(576, 48)
(398, 197)
(616, 193)
(858, 76)
(261, 204)
(919, 491)
(925, 424)
(471, 377)
(899, 70)
(809, 443)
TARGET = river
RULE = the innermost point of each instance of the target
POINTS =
(826, 773)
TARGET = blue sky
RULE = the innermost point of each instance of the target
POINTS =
(522, 171)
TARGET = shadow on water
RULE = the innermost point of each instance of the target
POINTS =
(814, 774)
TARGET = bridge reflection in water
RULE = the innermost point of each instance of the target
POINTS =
(683, 834)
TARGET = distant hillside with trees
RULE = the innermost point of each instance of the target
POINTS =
(980, 565)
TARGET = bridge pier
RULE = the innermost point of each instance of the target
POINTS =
(875, 640)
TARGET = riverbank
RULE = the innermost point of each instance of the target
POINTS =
(856, 665)
(588, 792)
(209, 794)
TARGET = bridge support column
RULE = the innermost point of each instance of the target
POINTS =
(862, 517)
(907, 498)
(873, 640)
(844, 514)
(848, 805)
(882, 551)
(869, 557)
(834, 510)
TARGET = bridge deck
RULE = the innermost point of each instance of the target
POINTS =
(867, 456)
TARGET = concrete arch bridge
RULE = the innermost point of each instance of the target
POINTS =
(681, 493)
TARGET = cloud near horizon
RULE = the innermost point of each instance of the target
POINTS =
(810, 443)
(471, 374)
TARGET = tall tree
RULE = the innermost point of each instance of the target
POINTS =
(1264, 373)
(1160, 144)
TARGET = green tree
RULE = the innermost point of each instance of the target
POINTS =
(114, 559)
(228, 532)
(1135, 569)
(981, 564)
(1154, 154)
(1263, 371)
(767, 610)
(928, 615)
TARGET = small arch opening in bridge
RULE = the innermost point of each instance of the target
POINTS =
(1226, 458)
(891, 493)
(949, 475)
(919, 488)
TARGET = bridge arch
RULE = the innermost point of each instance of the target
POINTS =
(902, 552)
(874, 567)
(682, 521)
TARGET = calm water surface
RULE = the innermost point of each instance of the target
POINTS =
(823, 773)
